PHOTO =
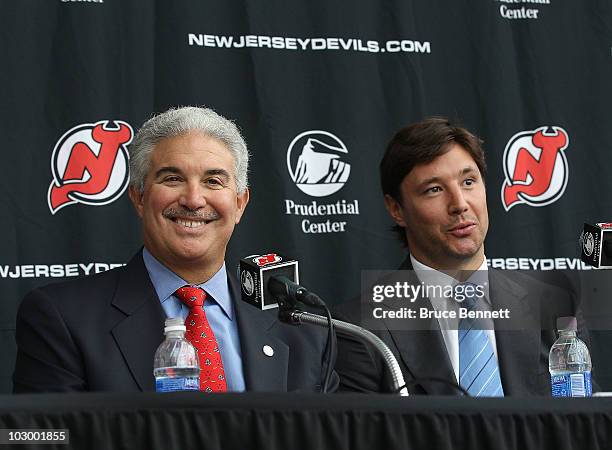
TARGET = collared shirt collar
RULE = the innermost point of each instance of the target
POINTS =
(431, 276)
(167, 282)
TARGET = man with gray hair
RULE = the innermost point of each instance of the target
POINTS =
(189, 186)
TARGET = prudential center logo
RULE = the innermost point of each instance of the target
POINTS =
(315, 163)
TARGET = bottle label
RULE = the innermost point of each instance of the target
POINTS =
(177, 384)
(572, 385)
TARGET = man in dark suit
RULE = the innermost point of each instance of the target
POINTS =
(432, 180)
(99, 333)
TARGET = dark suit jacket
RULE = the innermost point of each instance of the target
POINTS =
(100, 333)
(422, 355)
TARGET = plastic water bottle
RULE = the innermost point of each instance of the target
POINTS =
(176, 366)
(569, 362)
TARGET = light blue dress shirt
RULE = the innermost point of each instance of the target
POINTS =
(219, 312)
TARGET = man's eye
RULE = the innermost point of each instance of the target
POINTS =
(469, 182)
(214, 182)
(433, 190)
(172, 179)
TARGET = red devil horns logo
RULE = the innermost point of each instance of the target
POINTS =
(536, 167)
(90, 165)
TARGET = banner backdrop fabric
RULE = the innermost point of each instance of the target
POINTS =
(318, 88)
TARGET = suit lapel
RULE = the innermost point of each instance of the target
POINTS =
(261, 371)
(425, 357)
(423, 352)
(139, 334)
(518, 351)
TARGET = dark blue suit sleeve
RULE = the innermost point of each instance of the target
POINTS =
(47, 358)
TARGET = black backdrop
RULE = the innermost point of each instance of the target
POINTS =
(347, 74)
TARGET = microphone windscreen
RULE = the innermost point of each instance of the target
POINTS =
(255, 273)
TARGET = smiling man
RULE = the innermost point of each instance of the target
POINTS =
(99, 333)
(432, 177)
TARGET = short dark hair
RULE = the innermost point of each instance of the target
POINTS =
(421, 143)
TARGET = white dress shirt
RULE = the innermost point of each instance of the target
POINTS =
(448, 327)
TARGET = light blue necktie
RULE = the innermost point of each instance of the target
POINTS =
(478, 369)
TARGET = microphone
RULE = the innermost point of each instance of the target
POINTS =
(596, 245)
(282, 288)
(255, 274)
(271, 281)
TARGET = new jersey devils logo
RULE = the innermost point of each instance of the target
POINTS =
(535, 167)
(90, 165)
(264, 260)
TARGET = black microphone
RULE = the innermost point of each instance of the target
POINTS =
(596, 245)
(282, 288)
(255, 274)
(271, 281)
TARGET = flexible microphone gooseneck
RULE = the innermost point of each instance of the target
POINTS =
(288, 294)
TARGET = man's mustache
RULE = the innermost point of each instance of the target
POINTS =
(186, 213)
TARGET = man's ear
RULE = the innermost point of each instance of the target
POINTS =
(136, 198)
(241, 202)
(395, 210)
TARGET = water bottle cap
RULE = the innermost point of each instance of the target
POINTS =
(567, 324)
(174, 324)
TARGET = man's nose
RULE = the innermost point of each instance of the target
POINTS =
(193, 196)
(457, 203)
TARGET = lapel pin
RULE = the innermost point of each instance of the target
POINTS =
(268, 351)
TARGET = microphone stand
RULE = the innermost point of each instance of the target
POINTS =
(297, 317)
